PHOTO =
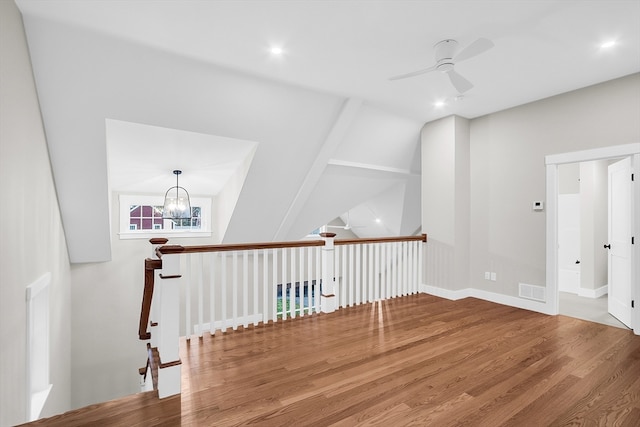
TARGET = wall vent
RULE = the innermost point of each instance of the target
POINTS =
(537, 293)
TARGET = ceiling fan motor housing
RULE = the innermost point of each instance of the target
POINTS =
(444, 54)
(444, 50)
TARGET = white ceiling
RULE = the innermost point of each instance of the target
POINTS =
(327, 129)
(351, 48)
(141, 158)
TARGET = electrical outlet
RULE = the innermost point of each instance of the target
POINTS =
(487, 275)
(493, 276)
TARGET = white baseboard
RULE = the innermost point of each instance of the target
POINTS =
(511, 301)
(593, 293)
(445, 293)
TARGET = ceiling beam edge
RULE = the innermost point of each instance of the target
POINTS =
(378, 168)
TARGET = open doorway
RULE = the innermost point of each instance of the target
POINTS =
(583, 217)
(553, 168)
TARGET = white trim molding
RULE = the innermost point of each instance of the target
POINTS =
(509, 300)
(552, 162)
(593, 293)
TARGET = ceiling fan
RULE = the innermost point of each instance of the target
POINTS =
(347, 226)
(445, 61)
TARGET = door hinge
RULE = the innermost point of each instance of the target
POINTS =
(632, 301)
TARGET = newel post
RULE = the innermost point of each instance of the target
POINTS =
(169, 371)
(150, 283)
(328, 297)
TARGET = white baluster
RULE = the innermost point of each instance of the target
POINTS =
(199, 268)
(352, 285)
(301, 286)
(274, 284)
(223, 290)
(365, 277)
(284, 284)
(245, 289)
(358, 283)
(420, 264)
(187, 298)
(344, 286)
(318, 274)
(255, 288)
(377, 271)
(382, 272)
(400, 263)
(409, 267)
(212, 293)
(405, 267)
(412, 247)
(265, 286)
(337, 281)
(292, 292)
(372, 278)
(309, 279)
(394, 269)
(388, 278)
(234, 284)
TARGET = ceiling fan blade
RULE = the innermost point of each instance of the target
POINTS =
(475, 48)
(337, 226)
(415, 73)
(460, 83)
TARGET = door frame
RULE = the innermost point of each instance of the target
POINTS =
(551, 162)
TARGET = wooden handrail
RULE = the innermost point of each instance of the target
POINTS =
(421, 238)
(175, 249)
(150, 265)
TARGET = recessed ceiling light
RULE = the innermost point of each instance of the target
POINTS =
(608, 44)
(378, 220)
(276, 50)
(439, 104)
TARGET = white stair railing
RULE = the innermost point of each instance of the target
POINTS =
(369, 272)
(201, 289)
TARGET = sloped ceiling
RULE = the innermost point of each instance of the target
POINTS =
(332, 132)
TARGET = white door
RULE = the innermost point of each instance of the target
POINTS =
(619, 244)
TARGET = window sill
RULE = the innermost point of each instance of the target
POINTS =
(162, 233)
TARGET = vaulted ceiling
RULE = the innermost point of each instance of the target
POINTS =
(327, 130)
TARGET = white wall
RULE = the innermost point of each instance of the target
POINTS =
(32, 239)
(106, 301)
(445, 202)
(508, 173)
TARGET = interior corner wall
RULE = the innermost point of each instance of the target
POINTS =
(32, 236)
(508, 150)
(445, 202)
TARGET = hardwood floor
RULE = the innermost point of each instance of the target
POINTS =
(417, 360)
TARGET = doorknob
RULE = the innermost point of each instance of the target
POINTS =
(607, 246)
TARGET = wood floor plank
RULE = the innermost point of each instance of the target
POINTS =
(416, 360)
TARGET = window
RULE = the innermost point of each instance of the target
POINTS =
(145, 217)
(141, 217)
